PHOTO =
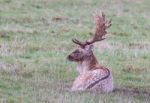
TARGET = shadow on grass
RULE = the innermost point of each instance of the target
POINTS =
(132, 92)
(126, 91)
(121, 92)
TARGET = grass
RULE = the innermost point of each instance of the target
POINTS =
(35, 38)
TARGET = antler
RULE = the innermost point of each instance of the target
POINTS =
(101, 25)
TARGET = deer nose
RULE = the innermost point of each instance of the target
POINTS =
(69, 57)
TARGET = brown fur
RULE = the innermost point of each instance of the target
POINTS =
(92, 76)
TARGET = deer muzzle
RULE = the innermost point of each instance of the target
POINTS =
(70, 57)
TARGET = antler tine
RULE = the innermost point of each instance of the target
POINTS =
(76, 41)
(79, 42)
(108, 24)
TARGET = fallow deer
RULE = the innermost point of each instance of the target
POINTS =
(93, 76)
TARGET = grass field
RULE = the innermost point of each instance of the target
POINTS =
(35, 38)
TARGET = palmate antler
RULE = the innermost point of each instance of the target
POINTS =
(101, 25)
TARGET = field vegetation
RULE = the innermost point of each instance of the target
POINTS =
(35, 38)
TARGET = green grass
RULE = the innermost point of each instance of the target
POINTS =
(34, 45)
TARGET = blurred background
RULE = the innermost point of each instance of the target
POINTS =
(35, 38)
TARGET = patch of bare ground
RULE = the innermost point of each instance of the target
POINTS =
(58, 18)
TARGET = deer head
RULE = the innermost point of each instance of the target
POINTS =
(84, 50)
(81, 54)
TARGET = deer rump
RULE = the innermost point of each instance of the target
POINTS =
(97, 80)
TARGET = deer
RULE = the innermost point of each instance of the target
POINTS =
(92, 75)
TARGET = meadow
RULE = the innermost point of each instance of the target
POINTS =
(35, 39)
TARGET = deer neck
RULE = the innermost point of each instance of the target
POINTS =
(89, 64)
